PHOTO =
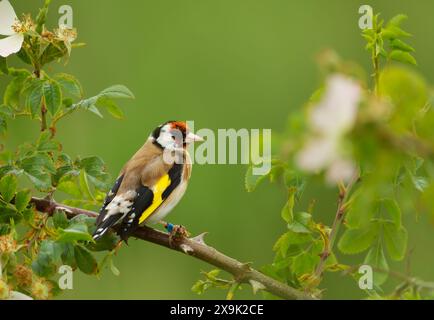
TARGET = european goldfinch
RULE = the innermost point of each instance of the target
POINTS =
(151, 183)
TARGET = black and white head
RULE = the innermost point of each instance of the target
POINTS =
(173, 135)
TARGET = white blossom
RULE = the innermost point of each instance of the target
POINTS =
(317, 154)
(340, 170)
(14, 40)
(329, 121)
(337, 110)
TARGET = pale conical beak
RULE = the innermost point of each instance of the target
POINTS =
(191, 137)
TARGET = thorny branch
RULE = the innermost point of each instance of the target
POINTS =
(339, 217)
(195, 247)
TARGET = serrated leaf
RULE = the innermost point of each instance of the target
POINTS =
(52, 96)
(48, 257)
(46, 144)
(357, 240)
(33, 93)
(304, 263)
(75, 232)
(117, 91)
(395, 240)
(60, 220)
(69, 84)
(377, 260)
(392, 209)
(402, 56)
(301, 223)
(290, 238)
(12, 93)
(70, 187)
(8, 187)
(85, 260)
(111, 107)
(251, 181)
(22, 199)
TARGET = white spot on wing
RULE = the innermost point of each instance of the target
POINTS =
(120, 204)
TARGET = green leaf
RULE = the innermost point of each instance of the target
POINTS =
(304, 263)
(53, 52)
(85, 260)
(75, 232)
(290, 238)
(357, 240)
(392, 209)
(301, 223)
(48, 257)
(22, 199)
(37, 169)
(68, 256)
(107, 242)
(6, 111)
(395, 240)
(294, 182)
(397, 20)
(251, 181)
(46, 144)
(12, 93)
(111, 107)
(69, 84)
(401, 45)
(117, 91)
(93, 166)
(41, 180)
(33, 93)
(287, 212)
(402, 56)
(84, 184)
(52, 96)
(3, 66)
(69, 187)
(60, 220)
(113, 268)
(420, 183)
(8, 187)
(377, 260)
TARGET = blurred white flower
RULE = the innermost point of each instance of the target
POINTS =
(337, 111)
(317, 154)
(340, 170)
(330, 120)
(8, 19)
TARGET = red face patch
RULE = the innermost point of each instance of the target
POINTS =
(179, 125)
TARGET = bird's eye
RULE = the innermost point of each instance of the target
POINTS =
(173, 138)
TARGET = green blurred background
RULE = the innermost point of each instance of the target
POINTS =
(223, 64)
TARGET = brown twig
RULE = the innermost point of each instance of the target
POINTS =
(339, 217)
(195, 247)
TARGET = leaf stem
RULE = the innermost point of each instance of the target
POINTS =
(339, 217)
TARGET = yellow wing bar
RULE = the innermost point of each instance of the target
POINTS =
(158, 190)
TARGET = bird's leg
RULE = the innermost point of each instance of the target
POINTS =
(176, 232)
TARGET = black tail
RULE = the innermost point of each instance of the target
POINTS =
(104, 225)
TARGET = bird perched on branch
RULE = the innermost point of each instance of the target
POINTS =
(151, 183)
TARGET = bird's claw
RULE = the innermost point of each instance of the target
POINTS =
(176, 233)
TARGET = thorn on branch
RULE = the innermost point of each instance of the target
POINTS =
(200, 238)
